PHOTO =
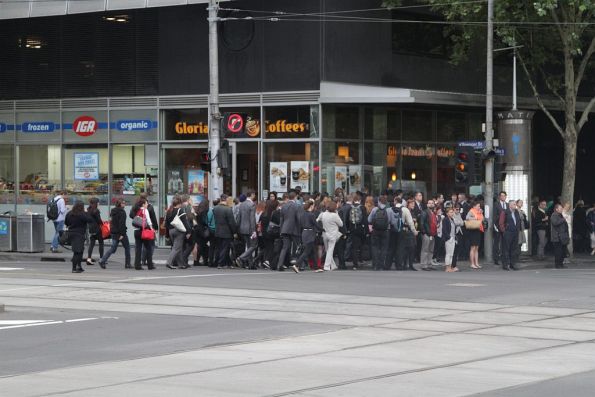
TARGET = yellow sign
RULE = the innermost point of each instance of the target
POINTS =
(282, 126)
(183, 128)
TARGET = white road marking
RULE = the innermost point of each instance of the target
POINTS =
(36, 323)
(469, 285)
(189, 276)
(8, 269)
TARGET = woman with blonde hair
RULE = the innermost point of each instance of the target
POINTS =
(369, 204)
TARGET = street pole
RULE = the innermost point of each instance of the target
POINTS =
(216, 185)
(489, 136)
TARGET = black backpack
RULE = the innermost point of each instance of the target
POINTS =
(380, 221)
(397, 225)
(52, 210)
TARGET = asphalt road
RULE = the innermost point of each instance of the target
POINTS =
(235, 332)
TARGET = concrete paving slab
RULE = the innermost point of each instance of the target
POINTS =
(574, 323)
(432, 325)
(537, 333)
(491, 317)
(547, 311)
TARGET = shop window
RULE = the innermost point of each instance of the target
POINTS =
(186, 173)
(341, 161)
(417, 126)
(39, 172)
(418, 161)
(291, 164)
(394, 124)
(452, 127)
(7, 174)
(375, 123)
(341, 122)
(86, 172)
(381, 168)
(133, 173)
(445, 175)
(290, 122)
(476, 121)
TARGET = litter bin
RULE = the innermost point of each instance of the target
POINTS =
(30, 233)
(8, 232)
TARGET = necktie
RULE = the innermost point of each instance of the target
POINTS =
(514, 218)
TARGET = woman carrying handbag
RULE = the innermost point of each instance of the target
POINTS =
(179, 230)
(144, 235)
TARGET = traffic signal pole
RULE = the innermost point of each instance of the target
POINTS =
(489, 137)
(216, 185)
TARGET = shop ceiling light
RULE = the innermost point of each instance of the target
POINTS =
(343, 151)
(413, 175)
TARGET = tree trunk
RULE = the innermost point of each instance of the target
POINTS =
(569, 174)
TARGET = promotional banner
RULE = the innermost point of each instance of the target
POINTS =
(278, 176)
(355, 178)
(300, 175)
(341, 177)
(86, 166)
(196, 182)
(175, 185)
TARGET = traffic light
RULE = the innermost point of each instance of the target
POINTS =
(476, 169)
(205, 161)
(499, 171)
(462, 158)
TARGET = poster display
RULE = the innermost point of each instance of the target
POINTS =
(278, 176)
(355, 178)
(175, 185)
(300, 175)
(86, 166)
(196, 182)
(340, 177)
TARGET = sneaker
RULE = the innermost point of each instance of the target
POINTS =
(435, 262)
(238, 262)
(266, 265)
(319, 271)
(55, 251)
(171, 267)
(295, 269)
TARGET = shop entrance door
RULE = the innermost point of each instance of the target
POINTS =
(244, 167)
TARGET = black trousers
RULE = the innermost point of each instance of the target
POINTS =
(309, 252)
(379, 246)
(223, 246)
(290, 244)
(498, 243)
(143, 249)
(357, 240)
(340, 247)
(92, 239)
(439, 249)
(391, 251)
(213, 251)
(406, 250)
(188, 247)
(559, 253)
(510, 243)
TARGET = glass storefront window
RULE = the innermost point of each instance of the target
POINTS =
(380, 161)
(184, 173)
(341, 122)
(376, 123)
(445, 176)
(394, 124)
(86, 172)
(451, 126)
(417, 126)
(39, 172)
(291, 164)
(289, 122)
(132, 174)
(7, 174)
(418, 162)
(475, 126)
(340, 159)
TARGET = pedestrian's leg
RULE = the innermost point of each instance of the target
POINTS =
(329, 263)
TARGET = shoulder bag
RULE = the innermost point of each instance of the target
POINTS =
(177, 222)
(472, 224)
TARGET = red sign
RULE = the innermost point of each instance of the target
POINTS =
(235, 123)
(84, 126)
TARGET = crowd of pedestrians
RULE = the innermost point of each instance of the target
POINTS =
(322, 232)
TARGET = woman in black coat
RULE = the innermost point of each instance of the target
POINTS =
(77, 220)
(270, 233)
(118, 231)
(94, 230)
(310, 229)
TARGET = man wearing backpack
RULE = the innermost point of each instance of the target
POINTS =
(380, 219)
(396, 228)
(357, 227)
(56, 212)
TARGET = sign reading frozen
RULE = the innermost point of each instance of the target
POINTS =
(39, 127)
(86, 166)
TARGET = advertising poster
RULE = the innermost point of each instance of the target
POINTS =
(278, 176)
(341, 177)
(86, 166)
(300, 175)
(175, 184)
(355, 178)
(196, 182)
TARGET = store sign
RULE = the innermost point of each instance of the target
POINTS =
(39, 127)
(85, 126)
(184, 128)
(134, 125)
(240, 125)
(3, 227)
(235, 123)
(86, 166)
(285, 127)
(2, 127)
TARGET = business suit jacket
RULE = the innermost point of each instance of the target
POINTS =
(225, 224)
(507, 224)
(290, 223)
(247, 217)
(498, 209)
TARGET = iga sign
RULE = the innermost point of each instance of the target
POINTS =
(84, 126)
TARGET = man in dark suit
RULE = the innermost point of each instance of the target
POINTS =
(510, 223)
(499, 207)
(247, 230)
(416, 213)
(290, 229)
(225, 228)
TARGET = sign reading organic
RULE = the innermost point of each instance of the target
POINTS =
(278, 176)
(300, 175)
(86, 166)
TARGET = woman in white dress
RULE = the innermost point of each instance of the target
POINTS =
(331, 222)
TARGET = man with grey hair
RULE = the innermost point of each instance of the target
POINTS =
(510, 224)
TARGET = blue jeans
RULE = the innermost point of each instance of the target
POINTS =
(115, 241)
(58, 226)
